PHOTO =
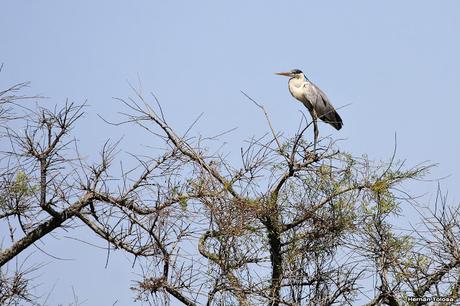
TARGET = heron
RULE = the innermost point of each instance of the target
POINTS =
(314, 99)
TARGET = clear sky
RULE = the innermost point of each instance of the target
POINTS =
(394, 63)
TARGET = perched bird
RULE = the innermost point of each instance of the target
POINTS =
(314, 99)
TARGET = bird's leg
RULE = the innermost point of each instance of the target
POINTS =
(315, 129)
(315, 140)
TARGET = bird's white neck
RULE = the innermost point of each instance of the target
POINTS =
(296, 86)
(297, 81)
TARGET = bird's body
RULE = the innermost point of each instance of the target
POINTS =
(314, 99)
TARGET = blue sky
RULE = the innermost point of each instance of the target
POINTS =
(395, 64)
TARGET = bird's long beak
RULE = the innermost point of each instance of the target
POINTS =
(283, 73)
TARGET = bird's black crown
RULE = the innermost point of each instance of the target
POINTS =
(296, 71)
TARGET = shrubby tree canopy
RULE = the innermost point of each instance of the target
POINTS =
(284, 226)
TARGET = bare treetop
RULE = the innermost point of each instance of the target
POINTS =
(288, 225)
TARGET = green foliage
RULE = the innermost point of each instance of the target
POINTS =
(21, 186)
(183, 203)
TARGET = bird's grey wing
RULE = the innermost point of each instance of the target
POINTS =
(324, 108)
(310, 96)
